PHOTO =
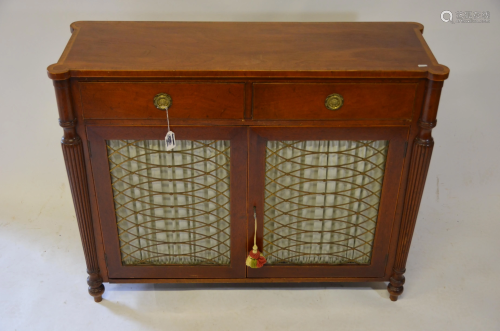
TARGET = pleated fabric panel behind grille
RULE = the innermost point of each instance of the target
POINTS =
(322, 200)
(171, 207)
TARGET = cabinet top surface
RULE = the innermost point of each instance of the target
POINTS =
(241, 49)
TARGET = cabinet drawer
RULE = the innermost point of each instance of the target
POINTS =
(189, 100)
(307, 101)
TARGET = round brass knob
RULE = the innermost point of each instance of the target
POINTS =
(162, 101)
(334, 101)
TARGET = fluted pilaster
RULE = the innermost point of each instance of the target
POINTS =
(75, 166)
(419, 166)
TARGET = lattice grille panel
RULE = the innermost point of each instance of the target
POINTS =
(171, 207)
(322, 200)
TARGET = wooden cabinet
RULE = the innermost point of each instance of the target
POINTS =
(318, 133)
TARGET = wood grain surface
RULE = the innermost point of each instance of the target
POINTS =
(107, 49)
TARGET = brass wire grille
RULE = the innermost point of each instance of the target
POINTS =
(322, 200)
(171, 207)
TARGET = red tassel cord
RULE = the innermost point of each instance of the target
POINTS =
(261, 260)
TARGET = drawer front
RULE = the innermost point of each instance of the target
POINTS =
(307, 101)
(189, 100)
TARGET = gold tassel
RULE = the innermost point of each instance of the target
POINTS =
(255, 258)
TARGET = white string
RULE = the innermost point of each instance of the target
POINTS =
(255, 233)
(168, 122)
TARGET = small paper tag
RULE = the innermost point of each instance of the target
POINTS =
(170, 141)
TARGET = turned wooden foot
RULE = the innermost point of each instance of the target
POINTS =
(396, 283)
(96, 289)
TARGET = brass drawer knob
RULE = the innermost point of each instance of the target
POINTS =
(162, 101)
(334, 101)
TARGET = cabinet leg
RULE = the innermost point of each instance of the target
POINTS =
(396, 283)
(96, 289)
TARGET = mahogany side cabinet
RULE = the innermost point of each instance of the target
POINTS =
(313, 138)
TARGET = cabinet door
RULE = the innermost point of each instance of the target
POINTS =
(325, 199)
(171, 214)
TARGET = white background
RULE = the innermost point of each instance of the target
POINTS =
(453, 269)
